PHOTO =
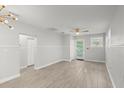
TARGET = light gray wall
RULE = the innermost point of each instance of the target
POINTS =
(49, 48)
(93, 53)
(117, 27)
(115, 48)
(66, 47)
(9, 51)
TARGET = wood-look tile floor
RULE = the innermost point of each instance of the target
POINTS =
(77, 74)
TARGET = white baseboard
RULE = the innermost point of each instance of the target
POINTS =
(113, 84)
(57, 61)
(67, 60)
(95, 61)
(9, 78)
(24, 67)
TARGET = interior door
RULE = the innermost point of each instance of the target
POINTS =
(31, 51)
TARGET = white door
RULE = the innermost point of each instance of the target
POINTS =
(31, 50)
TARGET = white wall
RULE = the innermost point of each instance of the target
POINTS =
(93, 53)
(69, 48)
(117, 27)
(9, 53)
(66, 45)
(49, 48)
(115, 48)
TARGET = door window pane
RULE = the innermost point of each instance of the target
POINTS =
(79, 48)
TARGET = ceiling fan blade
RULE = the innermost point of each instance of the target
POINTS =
(85, 31)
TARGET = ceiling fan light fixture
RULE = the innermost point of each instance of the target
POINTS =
(77, 33)
(77, 30)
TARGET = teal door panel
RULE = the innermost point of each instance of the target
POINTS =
(79, 49)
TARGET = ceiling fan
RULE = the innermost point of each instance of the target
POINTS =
(79, 30)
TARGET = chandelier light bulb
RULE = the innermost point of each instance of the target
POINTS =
(10, 14)
(11, 27)
(2, 22)
(16, 18)
(3, 6)
(6, 21)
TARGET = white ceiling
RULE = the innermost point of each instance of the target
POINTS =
(65, 18)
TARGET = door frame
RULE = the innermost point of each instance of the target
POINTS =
(34, 37)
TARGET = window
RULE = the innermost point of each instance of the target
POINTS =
(97, 42)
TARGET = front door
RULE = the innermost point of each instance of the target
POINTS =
(79, 49)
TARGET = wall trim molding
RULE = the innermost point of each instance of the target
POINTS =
(22, 67)
(68, 60)
(9, 78)
(95, 61)
(113, 84)
(57, 61)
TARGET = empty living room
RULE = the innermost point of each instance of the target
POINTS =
(61, 46)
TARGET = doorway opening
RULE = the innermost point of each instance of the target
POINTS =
(28, 45)
(79, 49)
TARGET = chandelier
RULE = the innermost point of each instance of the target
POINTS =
(5, 18)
